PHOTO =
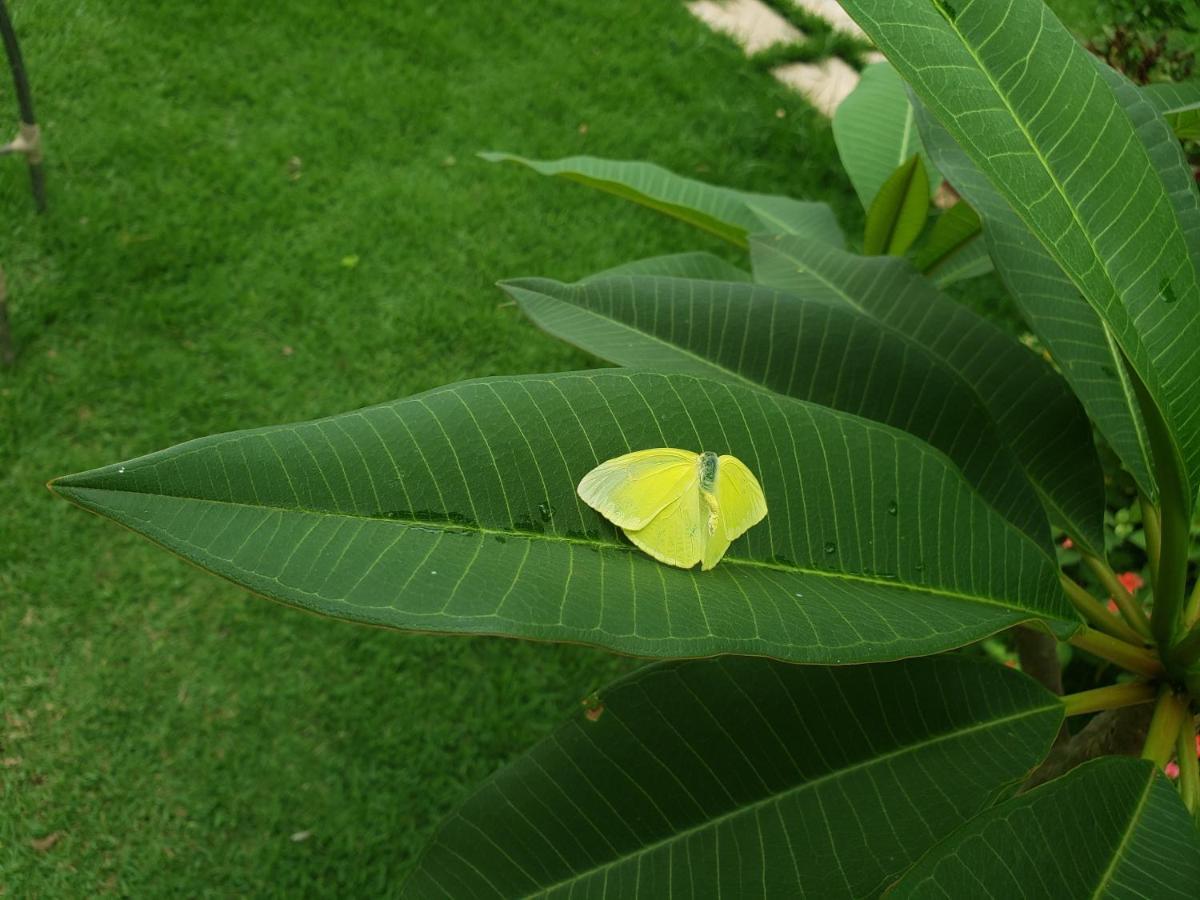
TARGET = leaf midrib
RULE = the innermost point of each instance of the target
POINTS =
(1020, 210)
(1134, 820)
(66, 491)
(798, 788)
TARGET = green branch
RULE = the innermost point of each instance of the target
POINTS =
(1135, 659)
(1170, 711)
(1174, 505)
(1189, 767)
(1130, 609)
(1090, 608)
(1114, 696)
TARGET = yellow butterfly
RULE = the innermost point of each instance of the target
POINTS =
(680, 507)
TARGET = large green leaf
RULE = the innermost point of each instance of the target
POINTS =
(1166, 154)
(704, 266)
(954, 230)
(1029, 107)
(1173, 97)
(1034, 410)
(875, 132)
(1179, 105)
(1114, 827)
(1070, 329)
(818, 351)
(898, 212)
(729, 214)
(455, 511)
(737, 777)
(1080, 342)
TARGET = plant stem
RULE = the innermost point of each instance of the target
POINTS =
(1170, 711)
(1130, 609)
(1114, 696)
(1189, 767)
(1151, 527)
(1135, 659)
(1174, 506)
(1091, 610)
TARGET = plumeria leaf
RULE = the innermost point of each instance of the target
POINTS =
(740, 777)
(702, 266)
(897, 215)
(954, 230)
(1033, 408)
(875, 132)
(1179, 104)
(1076, 337)
(456, 511)
(1068, 161)
(727, 213)
(1114, 827)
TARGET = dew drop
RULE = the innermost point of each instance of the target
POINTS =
(433, 571)
(798, 594)
(120, 470)
(830, 547)
(892, 508)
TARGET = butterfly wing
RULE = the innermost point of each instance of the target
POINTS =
(740, 505)
(677, 535)
(631, 490)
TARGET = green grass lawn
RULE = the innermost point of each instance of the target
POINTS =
(212, 169)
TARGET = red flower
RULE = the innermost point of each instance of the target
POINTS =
(1172, 768)
(1132, 581)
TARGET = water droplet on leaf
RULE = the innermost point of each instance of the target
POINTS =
(545, 511)
(892, 508)
(830, 547)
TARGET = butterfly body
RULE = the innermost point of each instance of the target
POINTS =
(680, 507)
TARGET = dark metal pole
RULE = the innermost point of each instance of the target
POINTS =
(29, 141)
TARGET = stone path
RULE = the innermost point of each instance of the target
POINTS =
(756, 26)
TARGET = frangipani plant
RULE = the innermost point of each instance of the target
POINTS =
(804, 731)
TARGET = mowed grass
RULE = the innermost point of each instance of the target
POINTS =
(270, 212)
